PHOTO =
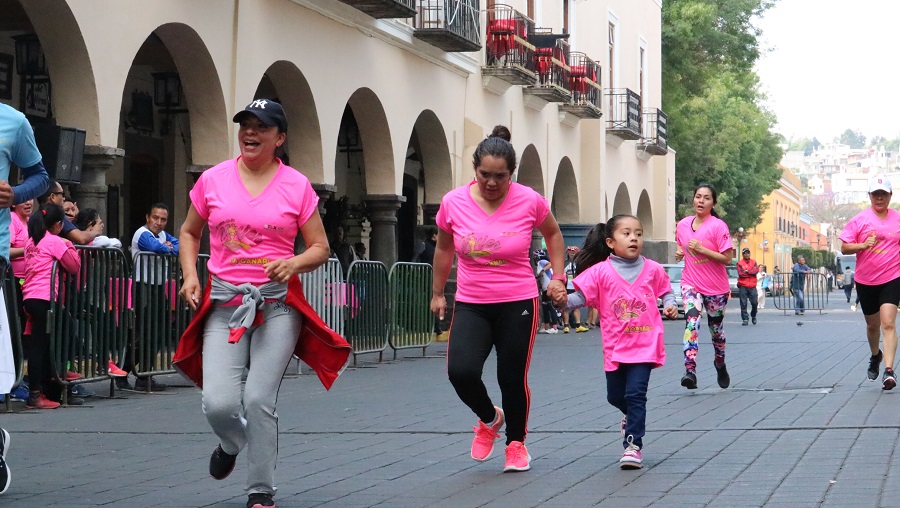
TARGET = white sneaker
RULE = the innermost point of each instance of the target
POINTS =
(853, 307)
(552, 330)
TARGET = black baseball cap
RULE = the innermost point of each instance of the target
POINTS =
(268, 111)
(745, 250)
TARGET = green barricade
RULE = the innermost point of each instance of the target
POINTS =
(12, 306)
(159, 316)
(412, 323)
(88, 317)
(322, 288)
(366, 298)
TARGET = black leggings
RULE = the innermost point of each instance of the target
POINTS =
(40, 368)
(510, 327)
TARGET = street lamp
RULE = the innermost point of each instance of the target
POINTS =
(30, 62)
(167, 96)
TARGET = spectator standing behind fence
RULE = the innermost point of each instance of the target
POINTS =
(798, 285)
(488, 223)
(44, 246)
(17, 146)
(874, 236)
(747, 269)
(342, 250)
(847, 283)
(90, 218)
(18, 234)
(426, 255)
(70, 208)
(623, 286)
(704, 242)
(151, 237)
(253, 312)
(55, 195)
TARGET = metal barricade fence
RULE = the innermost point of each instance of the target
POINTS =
(324, 290)
(88, 316)
(814, 296)
(159, 316)
(412, 323)
(13, 323)
(367, 307)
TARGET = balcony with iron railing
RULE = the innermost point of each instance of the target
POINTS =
(507, 52)
(551, 54)
(384, 9)
(584, 84)
(623, 121)
(451, 25)
(655, 140)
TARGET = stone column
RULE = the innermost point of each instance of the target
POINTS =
(91, 191)
(383, 218)
(429, 212)
(325, 192)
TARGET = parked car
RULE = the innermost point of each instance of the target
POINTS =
(732, 279)
(674, 273)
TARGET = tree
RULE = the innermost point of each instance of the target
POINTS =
(716, 122)
(825, 208)
(852, 138)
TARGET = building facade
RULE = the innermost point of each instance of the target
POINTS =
(780, 229)
(385, 104)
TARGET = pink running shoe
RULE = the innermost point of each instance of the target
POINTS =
(624, 423)
(40, 402)
(632, 458)
(517, 457)
(113, 370)
(483, 444)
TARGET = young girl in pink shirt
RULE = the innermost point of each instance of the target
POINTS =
(704, 242)
(43, 247)
(623, 286)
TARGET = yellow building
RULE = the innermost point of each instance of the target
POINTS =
(771, 241)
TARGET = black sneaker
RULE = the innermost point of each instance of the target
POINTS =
(722, 376)
(689, 380)
(81, 391)
(221, 464)
(888, 381)
(123, 384)
(260, 501)
(141, 385)
(745, 322)
(874, 363)
(753, 319)
(5, 476)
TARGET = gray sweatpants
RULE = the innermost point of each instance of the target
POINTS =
(250, 419)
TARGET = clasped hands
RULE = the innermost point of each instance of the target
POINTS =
(557, 293)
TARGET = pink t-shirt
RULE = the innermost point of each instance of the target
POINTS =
(706, 276)
(493, 264)
(39, 264)
(247, 232)
(18, 235)
(630, 323)
(879, 263)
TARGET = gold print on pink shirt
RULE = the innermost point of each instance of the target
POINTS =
(482, 247)
(236, 237)
(625, 309)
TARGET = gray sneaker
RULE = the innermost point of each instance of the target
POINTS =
(874, 364)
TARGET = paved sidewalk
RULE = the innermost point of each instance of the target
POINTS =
(800, 426)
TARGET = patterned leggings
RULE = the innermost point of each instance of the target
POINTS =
(694, 302)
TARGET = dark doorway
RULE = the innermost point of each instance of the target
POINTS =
(407, 218)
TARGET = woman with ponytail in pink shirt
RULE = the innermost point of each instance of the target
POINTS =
(704, 242)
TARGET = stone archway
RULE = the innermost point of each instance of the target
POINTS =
(622, 202)
(645, 214)
(530, 171)
(565, 202)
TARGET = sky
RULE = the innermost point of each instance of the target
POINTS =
(832, 65)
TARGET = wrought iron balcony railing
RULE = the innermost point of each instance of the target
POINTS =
(584, 84)
(624, 116)
(508, 54)
(452, 25)
(551, 54)
(655, 140)
(383, 9)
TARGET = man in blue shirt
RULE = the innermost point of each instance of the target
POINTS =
(798, 284)
(17, 146)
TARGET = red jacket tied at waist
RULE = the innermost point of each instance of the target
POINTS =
(318, 346)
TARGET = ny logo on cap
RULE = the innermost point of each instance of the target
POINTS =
(259, 103)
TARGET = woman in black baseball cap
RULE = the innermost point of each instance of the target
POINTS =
(252, 311)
